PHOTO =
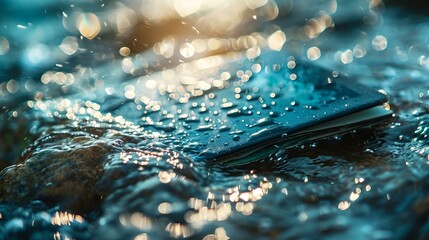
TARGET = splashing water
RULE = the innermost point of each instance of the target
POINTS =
(98, 101)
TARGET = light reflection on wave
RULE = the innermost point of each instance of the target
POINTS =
(313, 189)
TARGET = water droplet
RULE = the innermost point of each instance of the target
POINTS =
(311, 107)
(263, 122)
(124, 51)
(268, 131)
(294, 103)
(273, 114)
(236, 138)
(234, 113)
(184, 116)
(192, 119)
(203, 128)
(236, 132)
(227, 105)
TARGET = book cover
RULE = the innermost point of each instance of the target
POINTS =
(273, 101)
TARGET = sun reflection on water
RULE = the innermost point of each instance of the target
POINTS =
(137, 220)
(88, 25)
(65, 218)
(195, 55)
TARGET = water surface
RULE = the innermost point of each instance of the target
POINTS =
(89, 150)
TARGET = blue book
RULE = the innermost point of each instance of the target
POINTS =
(274, 102)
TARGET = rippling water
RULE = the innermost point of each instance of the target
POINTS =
(83, 158)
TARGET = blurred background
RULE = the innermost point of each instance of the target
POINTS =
(38, 36)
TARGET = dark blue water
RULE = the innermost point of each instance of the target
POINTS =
(83, 158)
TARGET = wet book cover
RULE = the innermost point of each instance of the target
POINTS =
(272, 102)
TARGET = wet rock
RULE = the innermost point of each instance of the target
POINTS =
(63, 172)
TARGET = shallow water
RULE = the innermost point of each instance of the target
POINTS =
(83, 158)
